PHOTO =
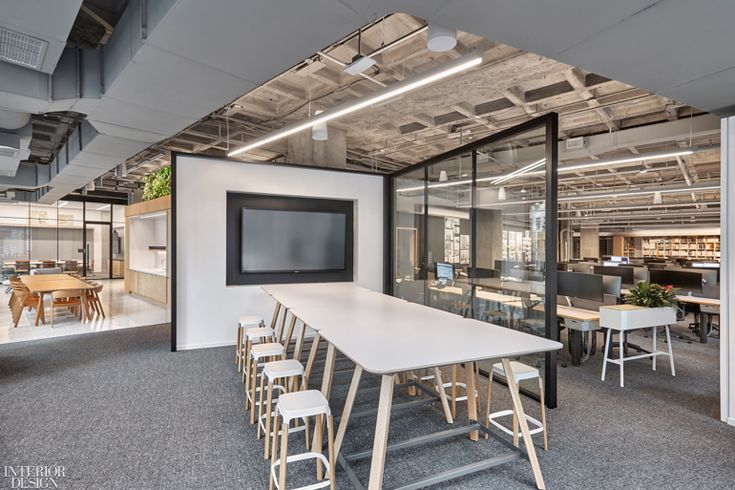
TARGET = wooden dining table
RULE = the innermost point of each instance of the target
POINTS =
(40, 284)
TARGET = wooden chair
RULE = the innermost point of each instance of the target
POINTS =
(48, 264)
(93, 299)
(20, 299)
(67, 299)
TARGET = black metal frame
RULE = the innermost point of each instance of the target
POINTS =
(550, 122)
(237, 201)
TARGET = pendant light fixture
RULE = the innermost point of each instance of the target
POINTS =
(657, 198)
(443, 177)
(501, 194)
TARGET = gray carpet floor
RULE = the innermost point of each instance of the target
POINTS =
(118, 410)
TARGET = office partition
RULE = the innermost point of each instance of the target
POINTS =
(482, 208)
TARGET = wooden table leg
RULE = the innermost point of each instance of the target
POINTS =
(39, 309)
(521, 415)
(469, 370)
(289, 334)
(312, 358)
(326, 390)
(347, 411)
(443, 395)
(275, 316)
(382, 426)
(299, 342)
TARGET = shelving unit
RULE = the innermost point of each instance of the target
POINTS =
(693, 247)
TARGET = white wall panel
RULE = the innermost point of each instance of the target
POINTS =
(208, 309)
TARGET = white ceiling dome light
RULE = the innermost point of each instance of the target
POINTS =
(440, 38)
(319, 132)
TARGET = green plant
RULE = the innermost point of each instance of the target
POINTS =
(651, 295)
(157, 184)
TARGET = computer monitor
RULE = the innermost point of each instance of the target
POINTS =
(627, 274)
(445, 270)
(619, 258)
(687, 281)
(579, 285)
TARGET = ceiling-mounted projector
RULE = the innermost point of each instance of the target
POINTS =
(359, 64)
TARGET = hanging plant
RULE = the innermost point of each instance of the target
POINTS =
(157, 184)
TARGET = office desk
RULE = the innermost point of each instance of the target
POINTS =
(387, 336)
(698, 300)
(48, 283)
(582, 321)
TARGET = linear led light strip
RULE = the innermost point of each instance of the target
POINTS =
(494, 180)
(564, 169)
(611, 195)
(448, 69)
(521, 171)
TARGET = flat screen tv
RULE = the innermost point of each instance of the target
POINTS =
(284, 239)
(291, 241)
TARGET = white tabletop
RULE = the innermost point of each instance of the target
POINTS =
(387, 335)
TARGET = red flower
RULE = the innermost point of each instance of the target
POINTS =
(669, 287)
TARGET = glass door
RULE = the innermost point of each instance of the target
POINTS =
(97, 255)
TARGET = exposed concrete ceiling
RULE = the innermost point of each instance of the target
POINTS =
(208, 54)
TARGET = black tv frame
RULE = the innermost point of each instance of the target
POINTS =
(236, 201)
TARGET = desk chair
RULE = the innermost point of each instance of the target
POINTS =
(22, 267)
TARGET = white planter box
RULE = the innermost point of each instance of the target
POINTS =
(631, 317)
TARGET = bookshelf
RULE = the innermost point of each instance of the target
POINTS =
(692, 247)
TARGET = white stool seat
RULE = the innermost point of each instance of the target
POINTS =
(520, 371)
(264, 350)
(259, 333)
(250, 321)
(300, 404)
(282, 369)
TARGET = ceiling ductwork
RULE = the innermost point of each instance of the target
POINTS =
(13, 119)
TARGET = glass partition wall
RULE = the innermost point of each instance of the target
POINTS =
(74, 236)
(471, 234)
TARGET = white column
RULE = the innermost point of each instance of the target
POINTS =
(727, 271)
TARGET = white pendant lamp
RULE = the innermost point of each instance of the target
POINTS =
(319, 131)
(440, 38)
(501, 194)
(657, 198)
(443, 177)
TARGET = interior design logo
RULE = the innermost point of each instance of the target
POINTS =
(33, 476)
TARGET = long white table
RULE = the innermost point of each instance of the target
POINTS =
(387, 336)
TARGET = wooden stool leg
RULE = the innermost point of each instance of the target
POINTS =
(274, 452)
(261, 399)
(268, 410)
(330, 444)
(284, 455)
(543, 412)
(443, 395)
(317, 446)
(486, 421)
(238, 357)
(312, 357)
(454, 391)
(253, 380)
(469, 368)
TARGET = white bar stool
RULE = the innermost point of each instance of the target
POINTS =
(521, 372)
(300, 405)
(253, 336)
(245, 322)
(260, 354)
(288, 370)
